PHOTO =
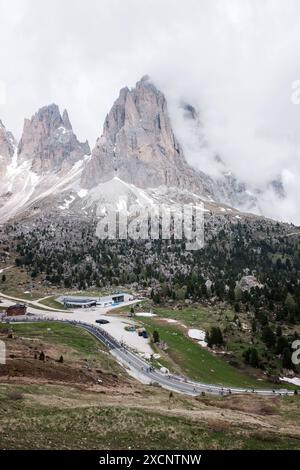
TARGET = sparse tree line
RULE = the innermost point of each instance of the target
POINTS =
(74, 258)
(70, 255)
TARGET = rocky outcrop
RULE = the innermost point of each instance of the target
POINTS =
(7, 148)
(49, 143)
(138, 145)
(249, 282)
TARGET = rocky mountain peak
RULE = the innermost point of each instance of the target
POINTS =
(7, 148)
(66, 120)
(48, 141)
(49, 116)
(145, 78)
(138, 144)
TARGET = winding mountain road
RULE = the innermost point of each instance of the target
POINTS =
(143, 372)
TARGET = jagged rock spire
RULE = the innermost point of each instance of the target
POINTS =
(138, 144)
(7, 148)
(66, 120)
(49, 143)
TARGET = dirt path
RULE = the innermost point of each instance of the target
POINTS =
(33, 303)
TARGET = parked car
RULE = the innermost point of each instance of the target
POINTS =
(102, 321)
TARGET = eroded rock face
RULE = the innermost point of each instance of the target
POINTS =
(48, 141)
(138, 145)
(248, 282)
(7, 148)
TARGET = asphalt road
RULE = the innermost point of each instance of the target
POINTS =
(144, 372)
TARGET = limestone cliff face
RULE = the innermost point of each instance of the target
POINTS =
(138, 144)
(49, 143)
(7, 148)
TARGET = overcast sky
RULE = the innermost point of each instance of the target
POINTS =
(234, 60)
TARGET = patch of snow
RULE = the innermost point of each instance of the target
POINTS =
(67, 203)
(118, 194)
(197, 334)
(203, 343)
(4, 269)
(146, 356)
(145, 314)
(82, 193)
(122, 204)
(141, 195)
(171, 320)
(291, 380)
(63, 130)
(21, 182)
(27, 187)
